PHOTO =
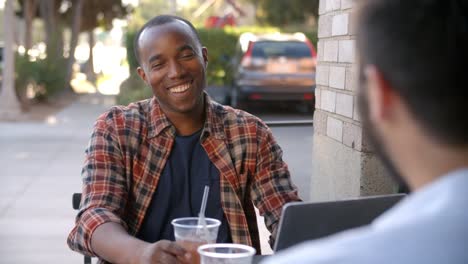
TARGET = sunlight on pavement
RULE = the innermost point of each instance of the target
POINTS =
(22, 155)
(51, 120)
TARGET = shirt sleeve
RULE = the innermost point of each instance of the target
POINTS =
(273, 187)
(104, 195)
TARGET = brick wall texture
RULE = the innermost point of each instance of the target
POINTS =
(336, 79)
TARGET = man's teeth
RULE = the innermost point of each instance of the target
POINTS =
(180, 89)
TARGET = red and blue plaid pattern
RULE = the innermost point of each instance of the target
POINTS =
(129, 148)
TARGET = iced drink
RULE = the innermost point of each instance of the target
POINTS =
(190, 235)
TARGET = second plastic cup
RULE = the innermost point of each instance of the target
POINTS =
(226, 254)
(190, 235)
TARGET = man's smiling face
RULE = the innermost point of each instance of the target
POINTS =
(173, 64)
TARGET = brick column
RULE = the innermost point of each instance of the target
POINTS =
(343, 165)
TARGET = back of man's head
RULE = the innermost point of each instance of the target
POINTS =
(421, 49)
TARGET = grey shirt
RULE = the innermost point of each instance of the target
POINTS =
(429, 226)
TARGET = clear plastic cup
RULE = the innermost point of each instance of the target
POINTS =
(190, 235)
(226, 254)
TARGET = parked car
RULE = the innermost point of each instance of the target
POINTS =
(273, 68)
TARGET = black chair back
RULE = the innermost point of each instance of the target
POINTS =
(76, 199)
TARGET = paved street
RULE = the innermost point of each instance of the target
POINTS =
(297, 152)
(40, 169)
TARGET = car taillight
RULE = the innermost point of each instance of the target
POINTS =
(308, 96)
(247, 58)
(255, 96)
(313, 53)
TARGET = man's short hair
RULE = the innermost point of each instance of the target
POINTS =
(421, 49)
(157, 21)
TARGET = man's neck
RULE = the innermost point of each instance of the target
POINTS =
(426, 161)
(187, 123)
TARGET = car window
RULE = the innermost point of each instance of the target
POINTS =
(290, 49)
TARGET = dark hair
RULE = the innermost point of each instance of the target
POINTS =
(421, 48)
(156, 21)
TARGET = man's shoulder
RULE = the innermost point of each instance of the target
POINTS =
(360, 245)
(232, 117)
(135, 112)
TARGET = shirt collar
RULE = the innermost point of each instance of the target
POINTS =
(158, 122)
(214, 119)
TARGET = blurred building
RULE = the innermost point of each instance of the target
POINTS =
(220, 13)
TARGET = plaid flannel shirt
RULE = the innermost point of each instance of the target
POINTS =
(129, 148)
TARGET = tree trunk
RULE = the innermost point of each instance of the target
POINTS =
(75, 32)
(47, 13)
(53, 27)
(9, 104)
(90, 74)
(30, 7)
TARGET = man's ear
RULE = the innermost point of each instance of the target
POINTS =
(380, 94)
(142, 74)
(205, 55)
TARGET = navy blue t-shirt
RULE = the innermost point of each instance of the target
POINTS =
(180, 191)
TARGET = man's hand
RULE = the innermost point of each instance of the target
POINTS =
(111, 242)
(163, 252)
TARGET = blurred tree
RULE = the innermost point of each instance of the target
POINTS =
(53, 24)
(284, 13)
(146, 10)
(29, 12)
(75, 30)
(99, 14)
(9, 105)
(77, 15)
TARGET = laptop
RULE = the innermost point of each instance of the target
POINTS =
(301, 221)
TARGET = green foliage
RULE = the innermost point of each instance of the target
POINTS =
(48, 75)
(52, 75)
(147, 9)
(284, 13)
(133, 89)
(220, 45)
(132, 61)
(312, 36)
(26, 71)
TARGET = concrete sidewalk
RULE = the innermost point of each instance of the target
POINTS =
(40, 169)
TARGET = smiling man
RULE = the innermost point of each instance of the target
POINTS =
(148, 163)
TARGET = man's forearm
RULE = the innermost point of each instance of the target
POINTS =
(111, 242)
